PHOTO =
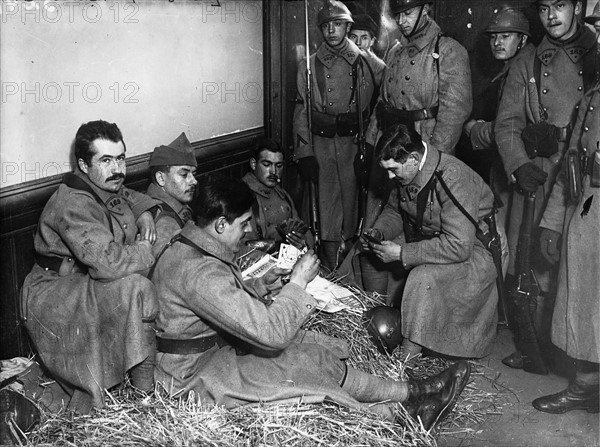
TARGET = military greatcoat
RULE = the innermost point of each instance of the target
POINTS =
(449, 303)
(167, 224)
(565, 67)
(86, 319)
(576, 320)
(202, 294)
(333, 94)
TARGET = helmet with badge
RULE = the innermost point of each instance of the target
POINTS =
(334, 10)
(384, 327)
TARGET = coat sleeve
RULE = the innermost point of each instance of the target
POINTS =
(512, 118)
(212, 293)
(300, 121)
(85, 231)
(389, 221)
(455, 99)
(455, 243)
(482, 135)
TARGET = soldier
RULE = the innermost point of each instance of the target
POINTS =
(364, 34)
(428, 234)
(87, 304)
(274, 206)
(173, 177)
(508, 31)
(337, 68)
(573, 211)
(539, 99)
(220, 338)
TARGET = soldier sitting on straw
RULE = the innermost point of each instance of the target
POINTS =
(222, 339)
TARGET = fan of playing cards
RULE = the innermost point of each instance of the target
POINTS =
(292, 225)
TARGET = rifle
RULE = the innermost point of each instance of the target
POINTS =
(365, 160)
(525, 295)
(313, 195)
(495, 248)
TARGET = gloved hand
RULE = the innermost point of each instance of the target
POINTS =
(529, 176)
(309, 169)
(550, 245)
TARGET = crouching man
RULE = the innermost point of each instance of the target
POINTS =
(225, 340)
(87, 304)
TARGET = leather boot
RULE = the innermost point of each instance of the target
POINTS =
(420, 389)
(575, 397)
(19, 410)
(515, 360)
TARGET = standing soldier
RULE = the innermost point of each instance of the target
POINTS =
(337, 68)
(540, 99)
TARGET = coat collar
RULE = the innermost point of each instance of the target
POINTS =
(425, 173)
(327, 55)
(420, 40)
(260, 189)
(158, 193)
(208, 243)
(105, 196)
(575, 49)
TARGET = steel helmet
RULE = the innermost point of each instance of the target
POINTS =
(398, 6)
(384, 328)
(508, 20)
(595, 15)
(334, 10)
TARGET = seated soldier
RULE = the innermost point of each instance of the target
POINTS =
(172, 173)
(87, 304)
(220, 338)
(427, 237)
(275, 218)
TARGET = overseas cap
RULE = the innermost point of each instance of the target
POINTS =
(398, 6)
(595, 15)
(509, 20)
(177, 153)
(364, 22)
(333, 10)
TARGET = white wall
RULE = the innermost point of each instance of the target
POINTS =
(156, 68)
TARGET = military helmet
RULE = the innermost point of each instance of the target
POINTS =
(595, 15)
(398, 6)
(508, 20)
(334, 10)
(384, 328)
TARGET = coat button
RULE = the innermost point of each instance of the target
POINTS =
(580, 88)
(412, 62)
(402, 199)
(545, 91)
(328, 76)
(407, 78)
(308, 306)
(125, 226)
(580, 72)
(586, 128)
(591, 108)
(402, 91)
(546, 73)
(545, 109)
(328, 89)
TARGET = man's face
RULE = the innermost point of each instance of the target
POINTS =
(334, 32)
(557, 17)
(597, 28)
(268, 167)
(409, 19)
(404, 173)
(179, 182)
(361, 38)
(504, 46)
(107, 168)
(234, 232)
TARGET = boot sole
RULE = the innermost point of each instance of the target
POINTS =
(592, 410)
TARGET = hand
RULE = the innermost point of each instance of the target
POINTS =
(309, 169)
(387, 251)
(529, 176)
(305, 269)
(146, 227)
(550, 245)
(365, 243)
(273, 275)
(295, 239)
(468, 127)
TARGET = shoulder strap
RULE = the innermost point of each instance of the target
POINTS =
(256, 213)
(422, 201)
(437, 51)
(72, 181)
(438, 174)
(168, 211)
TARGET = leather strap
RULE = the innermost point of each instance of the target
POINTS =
(186, 346)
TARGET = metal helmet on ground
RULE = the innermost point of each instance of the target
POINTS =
(398, 6)
(508, 20)
(384, 327)
(595, 15)
(334, 10)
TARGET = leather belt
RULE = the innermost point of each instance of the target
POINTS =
(49, 262)
(388, 115)
(186, 346)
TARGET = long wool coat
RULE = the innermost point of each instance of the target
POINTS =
(576, 319)
(202, 294)
(87, 325)
(563, 69)
(332, 93)
(449, 303)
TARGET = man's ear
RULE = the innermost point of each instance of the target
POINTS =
(253, 164)
(524, 38)
(220, 224)
(159, 176)
(414, 157)
(578, 7)
(82, 165)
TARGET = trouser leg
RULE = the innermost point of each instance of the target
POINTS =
(365, 387)
(142, 375)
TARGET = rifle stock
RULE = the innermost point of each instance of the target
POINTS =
(525, 294)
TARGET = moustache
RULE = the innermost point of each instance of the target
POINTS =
(115, 177)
